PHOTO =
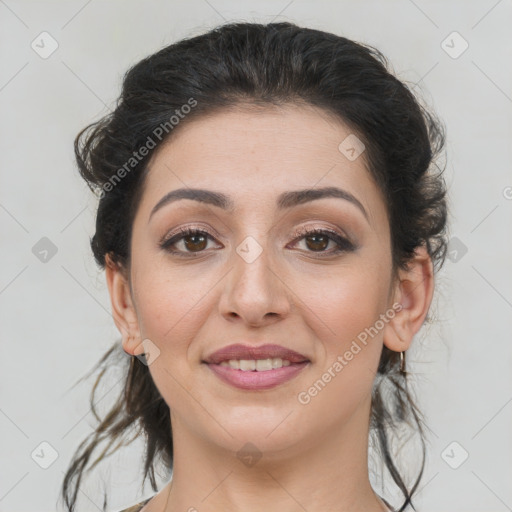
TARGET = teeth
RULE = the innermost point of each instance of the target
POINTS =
(247, 365)
(260, 365)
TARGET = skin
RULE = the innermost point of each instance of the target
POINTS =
(313, 456)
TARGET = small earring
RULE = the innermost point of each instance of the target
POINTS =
(402, 362)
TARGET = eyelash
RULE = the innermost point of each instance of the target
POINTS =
(343, 244)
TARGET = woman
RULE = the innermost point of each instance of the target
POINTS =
(271, 216)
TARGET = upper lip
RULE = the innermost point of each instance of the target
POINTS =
(239, 351)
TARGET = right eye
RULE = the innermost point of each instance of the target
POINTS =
(193, 241)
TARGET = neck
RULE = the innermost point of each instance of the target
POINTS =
(329, 472)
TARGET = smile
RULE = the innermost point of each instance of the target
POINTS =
(249, 376)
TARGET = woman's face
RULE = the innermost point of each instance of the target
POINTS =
(253, 276)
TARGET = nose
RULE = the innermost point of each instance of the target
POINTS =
(255, 292)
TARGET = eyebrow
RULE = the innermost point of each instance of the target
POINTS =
(284, 201)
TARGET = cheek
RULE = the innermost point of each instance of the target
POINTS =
(171, 305)
(345, 318)
(341, 305)
(171, 308)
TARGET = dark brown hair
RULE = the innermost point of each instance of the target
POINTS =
(272, 64)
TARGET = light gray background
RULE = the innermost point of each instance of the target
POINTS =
(55, 315)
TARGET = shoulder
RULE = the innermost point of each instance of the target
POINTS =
(135, 508)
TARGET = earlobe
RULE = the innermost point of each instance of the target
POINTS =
(414, 291)
(123, 310)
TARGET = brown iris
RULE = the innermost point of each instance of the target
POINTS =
(320, 242)
(195, 242)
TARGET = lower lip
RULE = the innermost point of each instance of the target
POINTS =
(254, 379)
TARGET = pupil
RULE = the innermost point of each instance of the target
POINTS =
(318, 245)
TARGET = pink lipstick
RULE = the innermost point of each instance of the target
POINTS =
(256, 368)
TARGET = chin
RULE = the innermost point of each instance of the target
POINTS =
(268, 430)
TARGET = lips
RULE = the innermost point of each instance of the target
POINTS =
(239, 351)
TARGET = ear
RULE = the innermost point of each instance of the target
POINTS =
(123, 310)
(413, 290)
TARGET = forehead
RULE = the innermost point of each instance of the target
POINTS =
(255, 154)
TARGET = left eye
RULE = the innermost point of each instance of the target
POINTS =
(317, 240)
